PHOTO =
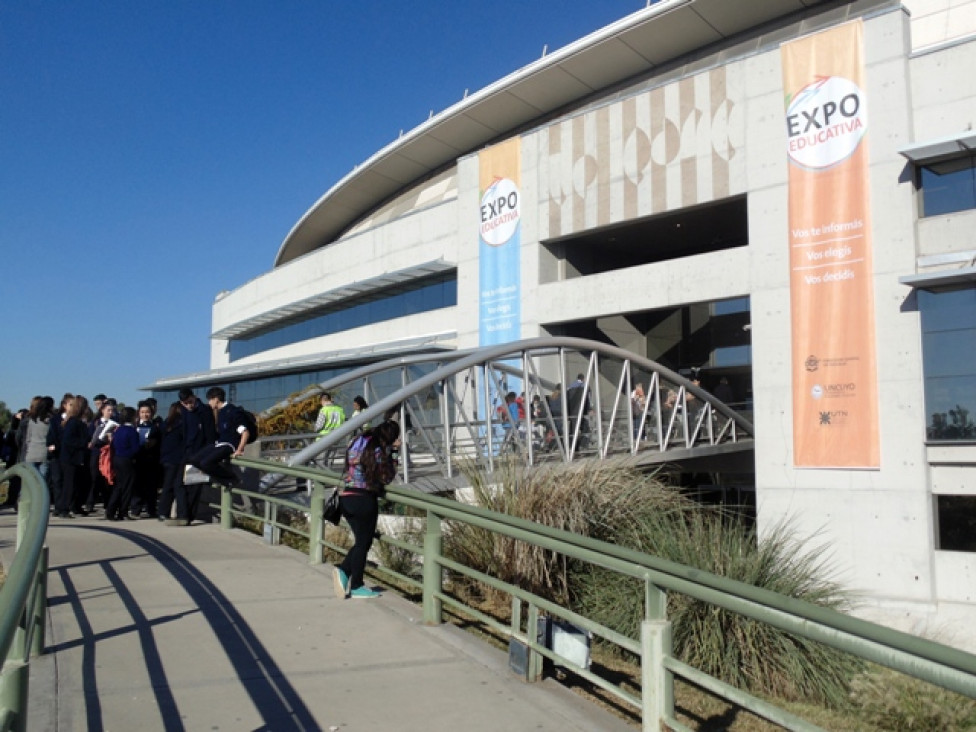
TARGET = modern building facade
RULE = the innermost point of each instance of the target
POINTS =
(650, 177)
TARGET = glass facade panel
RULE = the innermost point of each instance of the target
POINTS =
(425, 295)
(949, 186)
(949, 363)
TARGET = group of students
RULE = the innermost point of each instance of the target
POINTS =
(133, 462)
(129, 460)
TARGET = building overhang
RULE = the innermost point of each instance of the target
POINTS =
(430, 343)
(944, 148)
(295, 311)
(942, 280)
(637, 44)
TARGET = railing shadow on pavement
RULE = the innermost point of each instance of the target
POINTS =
(273, 696)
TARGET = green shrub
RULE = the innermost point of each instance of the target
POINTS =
(623, 506)
(584, 498)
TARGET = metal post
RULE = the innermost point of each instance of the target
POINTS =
(433, 546)
(657, 683)
(533, 667)
(15, 677)
(40, 605)
(316, 526)
(226, 505)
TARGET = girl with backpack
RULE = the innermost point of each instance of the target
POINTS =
(370, 466)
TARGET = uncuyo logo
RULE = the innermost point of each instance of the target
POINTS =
(500, 212)
(825, 121)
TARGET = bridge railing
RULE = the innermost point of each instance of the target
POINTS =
(923, 659)
(23, 597)
(592, 400)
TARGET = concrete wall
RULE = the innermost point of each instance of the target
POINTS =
(423, 236)
(936, 22)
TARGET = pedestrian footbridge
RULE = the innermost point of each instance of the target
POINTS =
(576, 400)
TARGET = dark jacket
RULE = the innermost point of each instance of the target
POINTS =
(125, 442)
(149, 437)
(74, 442)
(199, 428)
(230, 424)
(54, 436)
(171, 445)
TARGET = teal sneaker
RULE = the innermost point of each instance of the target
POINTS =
(341, 583)
(363, 593)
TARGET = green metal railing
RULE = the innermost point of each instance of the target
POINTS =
(23, 597)
(933, 662)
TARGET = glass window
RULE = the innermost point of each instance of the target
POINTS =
(421, 296)
(957, 523)
(949, 363)
(948, 186)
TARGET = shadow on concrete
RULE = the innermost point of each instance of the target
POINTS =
(273, 697)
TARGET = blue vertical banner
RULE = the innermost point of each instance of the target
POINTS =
(499, 269)
(499, 243)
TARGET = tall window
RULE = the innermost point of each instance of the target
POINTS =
(949, 363)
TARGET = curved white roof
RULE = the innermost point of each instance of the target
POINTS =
(633, 45)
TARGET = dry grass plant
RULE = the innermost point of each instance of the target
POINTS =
(622, 505)
(584, 498)
(890, 700)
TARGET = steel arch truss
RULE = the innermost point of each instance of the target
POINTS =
(453, 408)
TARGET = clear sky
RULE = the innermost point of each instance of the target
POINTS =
(153, 154)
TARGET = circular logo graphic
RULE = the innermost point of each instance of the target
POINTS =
(817, 391)
(500, 212)
(812, 363)
(825, 122)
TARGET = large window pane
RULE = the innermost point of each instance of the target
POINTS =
(948, 187)
(949, 363)
(422, 296)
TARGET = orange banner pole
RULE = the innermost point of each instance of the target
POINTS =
(835, 403)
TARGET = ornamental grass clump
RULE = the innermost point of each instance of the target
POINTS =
(745, 653)
(585, 498)
(622, 505)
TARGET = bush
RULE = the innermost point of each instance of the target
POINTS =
(623, 506)
(584, 498)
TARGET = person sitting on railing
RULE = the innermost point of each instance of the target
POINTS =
(232, 437)
(371, 465)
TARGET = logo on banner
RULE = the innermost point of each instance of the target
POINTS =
(825, 122)
(500, 212)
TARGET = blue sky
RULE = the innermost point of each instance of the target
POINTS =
(153, 154)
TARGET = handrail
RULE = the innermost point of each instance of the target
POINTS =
(930, 661)
(23, 596)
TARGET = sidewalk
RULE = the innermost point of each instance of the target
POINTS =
(154, 627)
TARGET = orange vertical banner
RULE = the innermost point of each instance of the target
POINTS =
(835, 402)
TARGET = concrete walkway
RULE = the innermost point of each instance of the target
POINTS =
(155, 627)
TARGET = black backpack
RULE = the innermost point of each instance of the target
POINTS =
(250, 423)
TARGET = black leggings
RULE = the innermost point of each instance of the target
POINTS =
(125, 478)
(361, 510)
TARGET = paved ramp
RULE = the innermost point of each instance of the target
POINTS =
(155, 627)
